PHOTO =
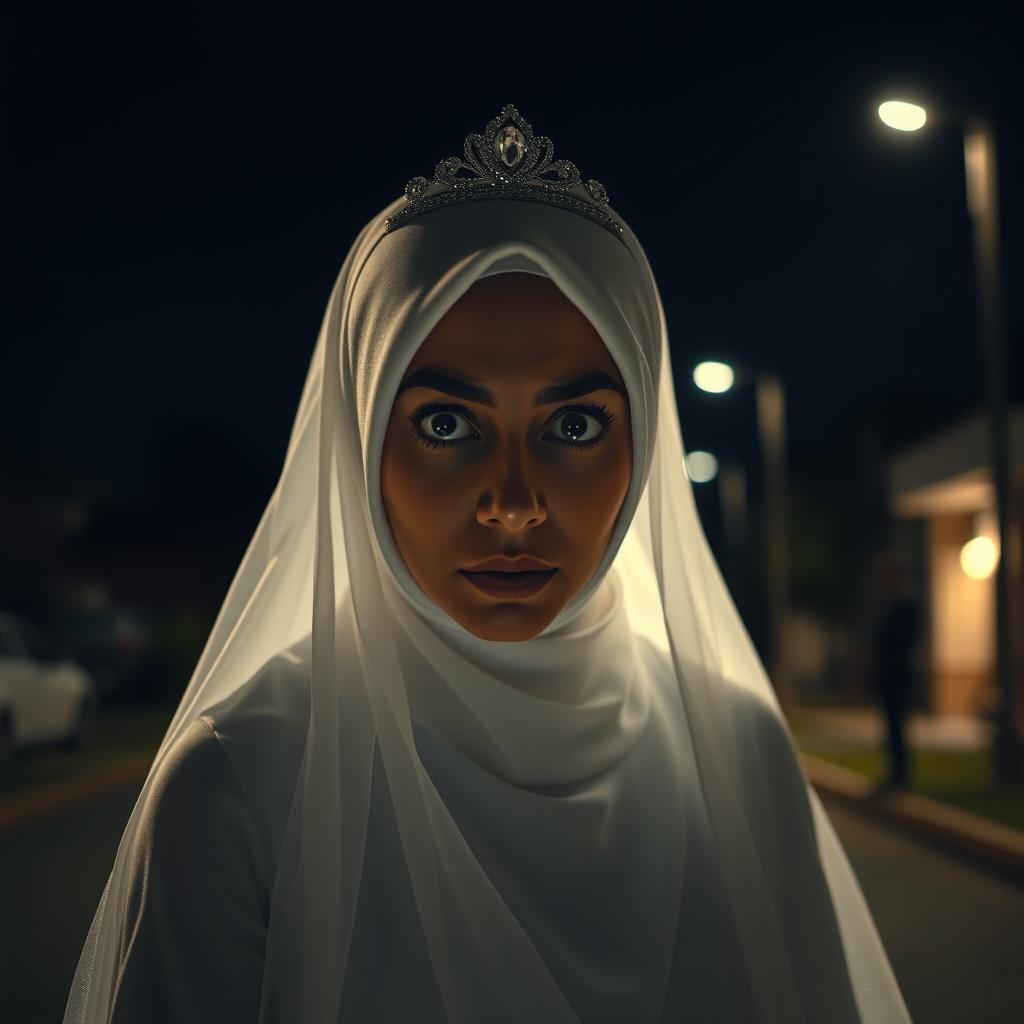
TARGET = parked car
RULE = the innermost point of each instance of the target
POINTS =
(44, 697)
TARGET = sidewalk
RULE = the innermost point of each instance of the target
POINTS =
(866, 728)
(826, 736)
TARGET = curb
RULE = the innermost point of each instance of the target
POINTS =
(39, 801)
(986, 842)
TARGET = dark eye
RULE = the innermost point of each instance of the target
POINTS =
(439, 427)
(571, 427)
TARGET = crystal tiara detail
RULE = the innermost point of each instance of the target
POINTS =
(507, 161)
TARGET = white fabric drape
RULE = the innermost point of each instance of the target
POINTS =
(566, 713)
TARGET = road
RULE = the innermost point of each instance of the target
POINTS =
(954, 933)
(53, 872)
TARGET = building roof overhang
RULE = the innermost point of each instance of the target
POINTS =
(947, 471)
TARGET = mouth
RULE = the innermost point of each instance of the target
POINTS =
(509, 584)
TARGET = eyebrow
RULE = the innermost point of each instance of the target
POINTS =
(439, 380)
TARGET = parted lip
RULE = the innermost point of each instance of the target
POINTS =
(523, 563)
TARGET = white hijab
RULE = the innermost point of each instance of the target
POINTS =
(393, 671)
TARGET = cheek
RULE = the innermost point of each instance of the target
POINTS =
(419, 498)
(589, 496)
(585, 496)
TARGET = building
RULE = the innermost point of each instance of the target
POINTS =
(942, 482)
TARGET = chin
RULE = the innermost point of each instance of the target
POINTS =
(511, 622)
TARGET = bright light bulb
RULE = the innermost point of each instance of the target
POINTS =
(713, 377)
(701, 467)
(978, 558)
(904, 117)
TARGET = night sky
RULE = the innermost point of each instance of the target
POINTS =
(183, 184)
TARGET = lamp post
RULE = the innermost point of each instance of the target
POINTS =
(732, 489)
(983, 208)
(770, 397)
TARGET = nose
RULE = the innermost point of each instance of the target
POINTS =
(512, 502)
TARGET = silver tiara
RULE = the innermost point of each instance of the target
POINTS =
(507, 161)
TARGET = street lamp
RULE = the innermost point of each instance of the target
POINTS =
(770, 396)
(904, 117)
(715, 378)
(701, 467)
(983, 208)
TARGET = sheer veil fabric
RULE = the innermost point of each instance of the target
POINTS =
(390, 673)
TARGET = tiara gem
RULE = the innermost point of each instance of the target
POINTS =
(507, 161)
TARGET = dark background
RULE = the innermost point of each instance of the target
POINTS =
(183, 183)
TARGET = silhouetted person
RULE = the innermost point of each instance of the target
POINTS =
(894, 636)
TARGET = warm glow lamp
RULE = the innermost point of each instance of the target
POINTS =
(978, 558)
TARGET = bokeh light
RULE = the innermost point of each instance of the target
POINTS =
(979, 557)
(701, 467)
(713, 377)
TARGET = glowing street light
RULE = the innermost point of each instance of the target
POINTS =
(715, 378)
(904, 117)
(701, 467)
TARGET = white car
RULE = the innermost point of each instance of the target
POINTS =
(43, 698)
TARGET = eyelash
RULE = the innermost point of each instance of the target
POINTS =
(599, 412)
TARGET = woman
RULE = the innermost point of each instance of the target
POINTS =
(403, 787)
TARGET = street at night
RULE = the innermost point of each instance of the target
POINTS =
(728, 305)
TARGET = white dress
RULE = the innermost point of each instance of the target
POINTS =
(202, 870)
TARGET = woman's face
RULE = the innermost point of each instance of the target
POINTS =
(487, 464)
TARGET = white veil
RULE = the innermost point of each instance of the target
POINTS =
(320, 566)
